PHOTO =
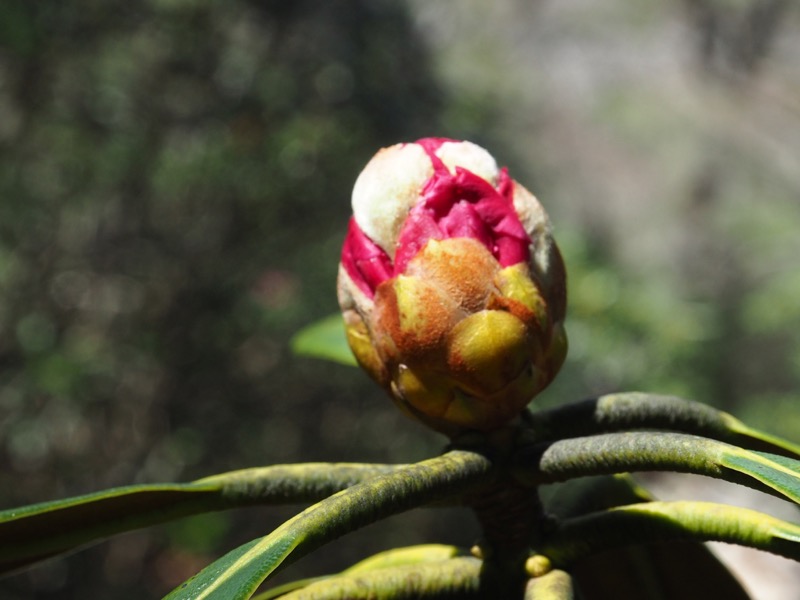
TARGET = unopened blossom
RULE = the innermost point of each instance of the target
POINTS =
(452, 288)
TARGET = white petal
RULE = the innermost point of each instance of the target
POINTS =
(471, 157)
(536, 223)
(530, 211)
(387, 189)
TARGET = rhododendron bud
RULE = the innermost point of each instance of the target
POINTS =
(452, 288)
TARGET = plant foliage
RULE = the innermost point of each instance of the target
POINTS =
(593, 517)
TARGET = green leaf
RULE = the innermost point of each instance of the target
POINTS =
(326, 340)
(285, 588)
(577, 497)
(689, 571)
(454, 577)
(555, 585)
(753, 439)
(778, 472)
(652, 522)
(451, 578)
(396, 557)
(410, 555)
(611, 453)
(637, 410)
(239, 573)
(32, 533)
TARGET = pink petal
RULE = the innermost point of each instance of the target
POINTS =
(510, 251)
(463, 220)
(465, 205)
(432, 144)
(419, 227)
(366, 263)
(451, 205)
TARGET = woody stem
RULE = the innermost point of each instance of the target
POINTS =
(510, 517)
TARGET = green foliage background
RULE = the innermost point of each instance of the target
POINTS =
(174, 189)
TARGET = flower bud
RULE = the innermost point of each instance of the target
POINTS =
(452, 288)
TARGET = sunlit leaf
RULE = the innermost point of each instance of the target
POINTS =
(778, 472)
(411, 555)
(324, 339)
(283, 589)
(555, 585)
(653, 522)
(32, 533)
(238, 574)
(609, 453)
(754, 439)
(389, 559)
(637, 410)
(689, 570)
(451, 578)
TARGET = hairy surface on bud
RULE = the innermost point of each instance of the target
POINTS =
(452, 289)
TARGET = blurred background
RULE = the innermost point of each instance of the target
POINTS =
(174, 190)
